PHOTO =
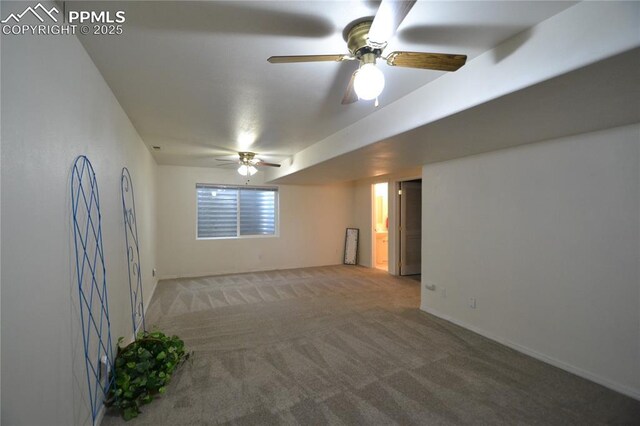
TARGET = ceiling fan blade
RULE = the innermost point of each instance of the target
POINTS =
(350, 95)
(262, 163)
(430, 61)
(390, 15)
(307, 58)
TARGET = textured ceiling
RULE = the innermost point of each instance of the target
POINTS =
(193, 76)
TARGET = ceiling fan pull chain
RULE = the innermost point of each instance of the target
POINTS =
(376, 103)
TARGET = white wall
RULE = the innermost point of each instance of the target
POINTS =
(313, 220)
(547, 238)
(55, 106)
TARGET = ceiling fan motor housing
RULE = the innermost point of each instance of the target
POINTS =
(246, 157)
(358, 42)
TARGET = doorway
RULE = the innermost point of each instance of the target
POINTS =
(381, 226)
(410, 227)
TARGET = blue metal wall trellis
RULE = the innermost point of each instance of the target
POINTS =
(92, 282)
(133, 251)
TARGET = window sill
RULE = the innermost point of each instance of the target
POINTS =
(242, 237)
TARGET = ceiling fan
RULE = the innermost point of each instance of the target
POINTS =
(248, 163)
(366, 40)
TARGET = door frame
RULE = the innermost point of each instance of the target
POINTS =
(373, 222)
(394, 241)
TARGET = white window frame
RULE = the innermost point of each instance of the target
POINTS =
(276, 190)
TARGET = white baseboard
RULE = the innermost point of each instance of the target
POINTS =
(246, 271)
(150, 298)
(100, 416)
(147, 302)
(145, 308)
(168, 277)
(618, 387)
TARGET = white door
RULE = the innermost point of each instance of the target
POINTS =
(410, 227)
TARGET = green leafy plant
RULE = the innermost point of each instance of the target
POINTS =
(143, 369)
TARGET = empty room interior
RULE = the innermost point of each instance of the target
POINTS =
(320, 212)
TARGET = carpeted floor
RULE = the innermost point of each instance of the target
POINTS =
(347, 345)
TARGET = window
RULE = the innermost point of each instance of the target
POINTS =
(236, 211)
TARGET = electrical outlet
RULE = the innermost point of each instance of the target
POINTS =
(443, 293)
(472, 302)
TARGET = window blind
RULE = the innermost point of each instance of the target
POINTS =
(228, 211)
(257, 211)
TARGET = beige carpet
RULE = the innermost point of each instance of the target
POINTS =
(345, 345)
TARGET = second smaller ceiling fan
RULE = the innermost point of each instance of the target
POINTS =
(248, 163)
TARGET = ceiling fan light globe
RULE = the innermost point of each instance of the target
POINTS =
(368, 82)
(247, 170)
